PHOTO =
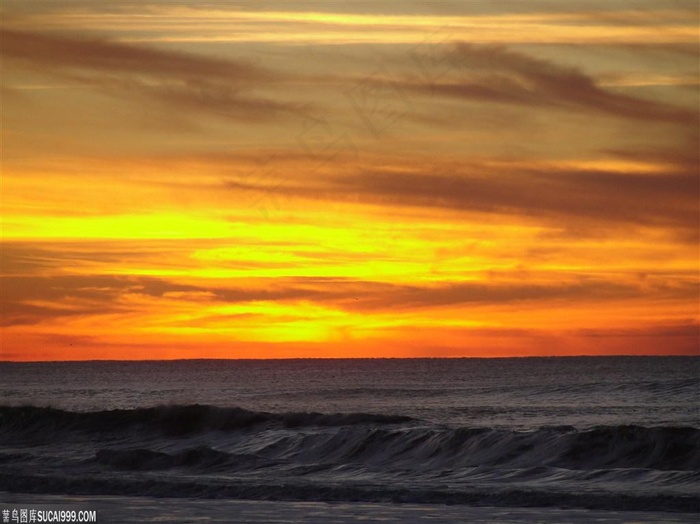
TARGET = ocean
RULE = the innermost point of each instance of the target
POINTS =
(605, 439)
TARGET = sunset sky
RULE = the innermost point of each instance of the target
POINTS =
(349, 179)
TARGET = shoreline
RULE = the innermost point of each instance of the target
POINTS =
(190, 510)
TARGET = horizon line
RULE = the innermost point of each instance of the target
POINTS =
(344, 358)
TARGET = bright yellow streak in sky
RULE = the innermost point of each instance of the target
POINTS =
(137, 227)
(206, 25)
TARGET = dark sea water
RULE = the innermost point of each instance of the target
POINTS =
(616, 434)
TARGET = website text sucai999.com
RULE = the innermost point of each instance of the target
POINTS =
(31, 515)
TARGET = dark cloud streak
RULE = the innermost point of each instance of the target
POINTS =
(32, 300)
(557, 196)
(609, 198)
(492, 73)
(100, 55)
(177, 80)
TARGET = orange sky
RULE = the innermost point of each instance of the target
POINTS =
(316, 179)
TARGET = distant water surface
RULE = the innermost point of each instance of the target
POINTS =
(498, 393)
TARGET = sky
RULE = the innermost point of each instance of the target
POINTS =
(276, 179)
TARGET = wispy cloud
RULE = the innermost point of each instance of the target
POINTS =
(308, 23)
(500, 75)
(503, 295)
(602, 197)
(559, 195)
(222, 87)
(94, 54)
(38, 299)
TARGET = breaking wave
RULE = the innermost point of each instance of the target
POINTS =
(226, 452)
(173, 420)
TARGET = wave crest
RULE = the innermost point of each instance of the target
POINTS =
(175, 420)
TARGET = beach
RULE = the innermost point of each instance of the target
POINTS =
(193, 511)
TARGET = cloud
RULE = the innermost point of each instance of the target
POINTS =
(681, 159)
(493, 73)
(364, 22)
(688, 328)
(626, 188)
(35, 299)
(179, 80)
(545, 193)
(31, 300)
(222, 100)
(100, 55)
(502, 294)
